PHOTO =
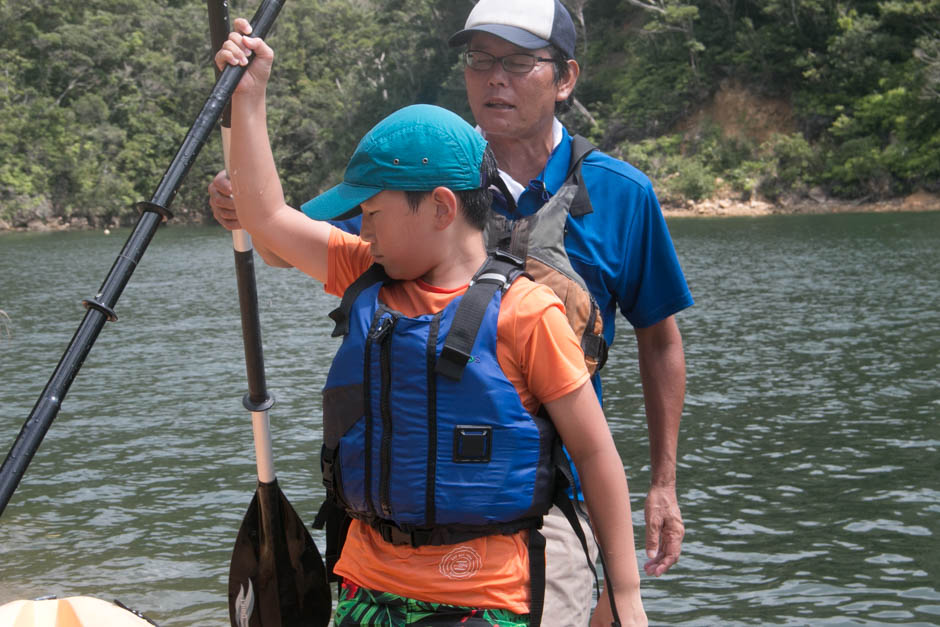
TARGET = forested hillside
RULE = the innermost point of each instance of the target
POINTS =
(95, 96)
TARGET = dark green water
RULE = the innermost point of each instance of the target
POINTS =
(809, 471)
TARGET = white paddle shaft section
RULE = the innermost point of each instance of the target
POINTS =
(264, 454)
(241, 241)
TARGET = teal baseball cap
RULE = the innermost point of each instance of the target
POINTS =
(415, 149)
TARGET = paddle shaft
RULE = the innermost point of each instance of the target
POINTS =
(276, 576)
(258, 400)
(100, 309)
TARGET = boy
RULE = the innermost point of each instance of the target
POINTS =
(446, 511)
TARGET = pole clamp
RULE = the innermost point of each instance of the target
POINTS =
(150, 206)
(94, 303)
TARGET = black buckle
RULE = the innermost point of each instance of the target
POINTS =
(452, 362)
(595, 346)
(504, 255)
(393, 535)
(473, 443)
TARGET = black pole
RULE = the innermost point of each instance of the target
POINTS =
(257, 398)
(100, 309)
(219, 28)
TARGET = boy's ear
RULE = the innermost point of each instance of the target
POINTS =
(445, 207)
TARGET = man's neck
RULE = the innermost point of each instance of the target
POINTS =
(523, 158)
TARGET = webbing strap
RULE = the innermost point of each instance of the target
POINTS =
(497, 273)
(340, 315)
(334, 518)
(580, 148)
(594, 346)
(430, 356)
(567, 505)
(536, 577)
(463, 331)
(610, 594)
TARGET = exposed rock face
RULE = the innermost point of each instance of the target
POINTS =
(741, 114)
(918, 201)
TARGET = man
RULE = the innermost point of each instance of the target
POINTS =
(519, 64)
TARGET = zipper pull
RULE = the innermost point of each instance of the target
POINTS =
(380, 331)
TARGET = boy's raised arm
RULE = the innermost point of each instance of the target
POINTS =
(259, 198)
(583, 428)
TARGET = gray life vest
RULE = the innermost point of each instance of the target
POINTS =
(540, 240)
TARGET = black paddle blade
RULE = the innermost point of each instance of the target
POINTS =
(277, 576)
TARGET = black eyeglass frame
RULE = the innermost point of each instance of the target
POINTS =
(502, 61)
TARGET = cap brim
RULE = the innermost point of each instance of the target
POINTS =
(512, 34)
(338, 203)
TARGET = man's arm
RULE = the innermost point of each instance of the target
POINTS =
(662, 372)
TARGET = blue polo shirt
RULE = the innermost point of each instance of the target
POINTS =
(622, 249)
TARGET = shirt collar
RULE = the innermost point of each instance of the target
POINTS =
(515, 187)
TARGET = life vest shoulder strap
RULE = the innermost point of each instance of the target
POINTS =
(581, 147)
(497, 273)
(340, 315)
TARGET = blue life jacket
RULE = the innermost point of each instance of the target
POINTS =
(425, 438)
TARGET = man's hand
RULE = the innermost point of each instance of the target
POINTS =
(220, 199)
(664, 529)
(223, 210)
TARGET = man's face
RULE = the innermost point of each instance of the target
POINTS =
(513, 106)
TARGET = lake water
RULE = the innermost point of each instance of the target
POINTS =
(809, 474)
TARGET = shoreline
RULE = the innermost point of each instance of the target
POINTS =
(729, 207)
(709, 208)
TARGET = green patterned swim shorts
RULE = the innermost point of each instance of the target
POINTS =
(359, 606)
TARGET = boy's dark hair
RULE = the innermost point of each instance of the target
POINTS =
(475, 203)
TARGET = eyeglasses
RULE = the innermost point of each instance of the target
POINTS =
(520, 63)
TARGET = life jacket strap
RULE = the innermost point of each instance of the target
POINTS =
(340, 315)
(393, 535)
(439, 535)
(536, 577)
(593, 345)
(334, 518)
(568, 506)
(497, 273)
(580, 148)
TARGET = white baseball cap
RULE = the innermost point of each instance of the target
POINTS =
(529, 24)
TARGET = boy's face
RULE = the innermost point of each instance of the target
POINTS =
(399, 235)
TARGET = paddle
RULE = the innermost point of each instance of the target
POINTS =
(277, 576)
(100, 309)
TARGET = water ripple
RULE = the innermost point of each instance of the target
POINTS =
(807, 467)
